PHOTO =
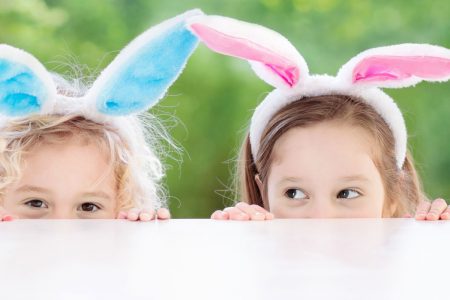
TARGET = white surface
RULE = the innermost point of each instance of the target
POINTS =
(205, 259)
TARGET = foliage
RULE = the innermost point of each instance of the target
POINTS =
(214, 98)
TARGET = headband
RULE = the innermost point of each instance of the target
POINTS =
(133, 82)
(276, 61)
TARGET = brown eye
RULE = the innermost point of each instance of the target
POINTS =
(348, 194)
(36, 203)
(90, 207)
(295, 194)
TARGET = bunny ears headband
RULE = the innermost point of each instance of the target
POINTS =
(135, 81)
(275, 60)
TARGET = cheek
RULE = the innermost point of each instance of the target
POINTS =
(7, 202)
(277, 204)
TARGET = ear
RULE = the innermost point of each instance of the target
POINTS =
(26, 87)
(272, 56)
(259, 184)
(398, 66)
(261, 191)
(143, 71)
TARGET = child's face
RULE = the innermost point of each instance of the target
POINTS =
(63, 181)
(325, 171)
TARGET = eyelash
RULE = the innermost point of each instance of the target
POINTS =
(337, 196)
(294, 189)
(350, 190)
(42, 202)
(96, 207)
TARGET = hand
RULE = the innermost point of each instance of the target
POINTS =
(436, 210)
(5, 216)
(144, 215)
(243, 212)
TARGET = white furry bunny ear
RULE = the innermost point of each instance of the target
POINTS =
(143, 71)
(26, 87)
(272, 56)
(397, 66)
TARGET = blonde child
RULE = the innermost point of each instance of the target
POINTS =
(70, 153)
(322, 146)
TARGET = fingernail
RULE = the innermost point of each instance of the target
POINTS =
(164, 214)
(132, 216)
(431, 216)
(7, 218)
(145, 217)
(257, 216)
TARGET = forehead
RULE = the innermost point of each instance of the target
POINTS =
(325, 148)
(76, 161)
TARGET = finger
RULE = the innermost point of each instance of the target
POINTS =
(422, 210)
(147, 215)
(438, 206)
(446, 214)
(133, 214)
(6, 218)
(236, 214)
(254, 211)
(163, 214)
(220, 215)
(267, 215)
(122, 215)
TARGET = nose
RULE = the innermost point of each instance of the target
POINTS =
(61, 215)
(321, 209)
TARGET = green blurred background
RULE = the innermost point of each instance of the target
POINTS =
(214, 97)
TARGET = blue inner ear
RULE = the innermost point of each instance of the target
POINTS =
(21, 91)
(144, 79)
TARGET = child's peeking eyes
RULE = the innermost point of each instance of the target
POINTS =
(86, 206)
(343, 194)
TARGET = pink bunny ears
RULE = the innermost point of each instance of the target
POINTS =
(275, 60)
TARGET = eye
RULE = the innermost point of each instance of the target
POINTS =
(348, 194)
(36, 203)
(295, 194)
(89, 206)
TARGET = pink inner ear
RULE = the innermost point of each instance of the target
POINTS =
(243, 48)
(385, 68)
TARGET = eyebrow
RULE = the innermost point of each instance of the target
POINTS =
(97, 194)
(32, 188)
(291, 179)
(343, 179)
(355, 178)
(37, 189)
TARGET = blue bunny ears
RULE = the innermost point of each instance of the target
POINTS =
(134, 81)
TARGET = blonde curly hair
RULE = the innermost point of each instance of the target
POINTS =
(131, 144)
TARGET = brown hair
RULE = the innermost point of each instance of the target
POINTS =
(402, 187)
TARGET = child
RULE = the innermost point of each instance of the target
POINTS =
(322, 146)
(66, 153)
